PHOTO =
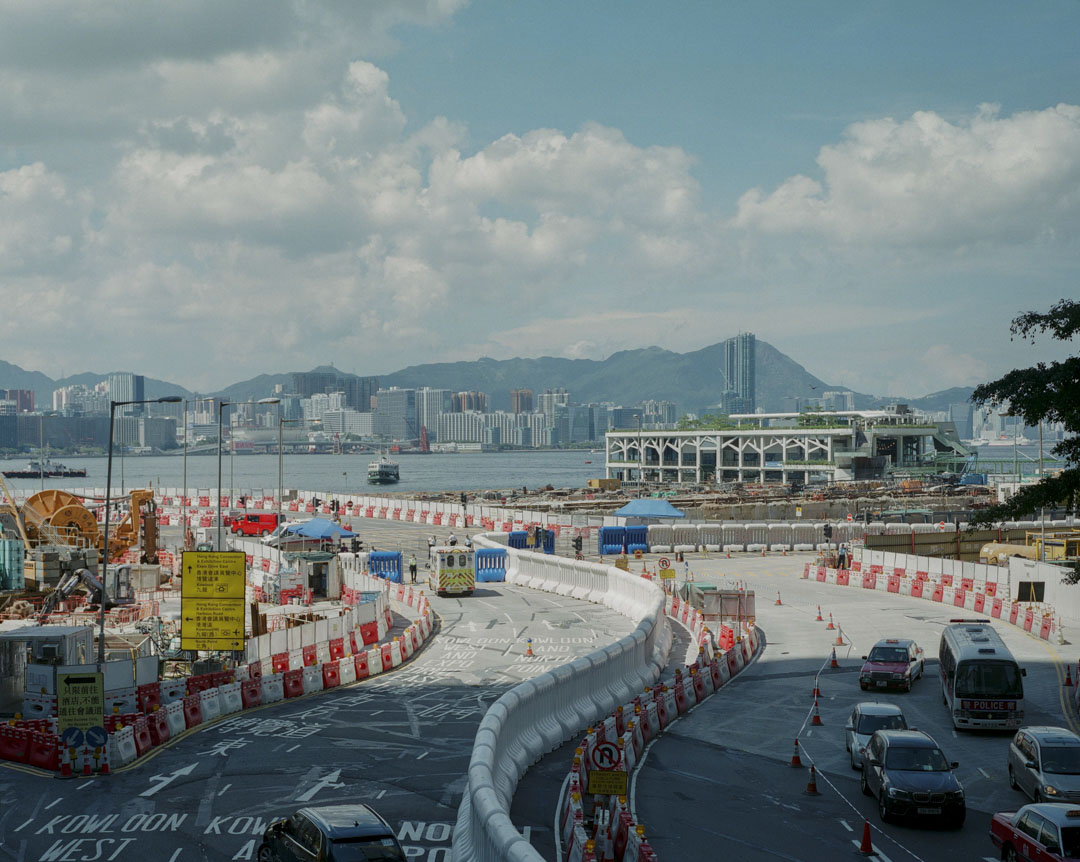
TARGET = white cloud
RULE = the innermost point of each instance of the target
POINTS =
(926, 181)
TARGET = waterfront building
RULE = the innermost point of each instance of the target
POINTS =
(429, 404)
(395, 414)
(464, 401)
(345, 421)
(359, 391)
(844, 446)
(521, 401)
(125, 386)
(549, 401)
(624, 417)
(23, 398)
(467, 427)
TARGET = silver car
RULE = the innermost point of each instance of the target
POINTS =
(1044, 762)
(864, 720)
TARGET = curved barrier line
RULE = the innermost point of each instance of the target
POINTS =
(537, 715)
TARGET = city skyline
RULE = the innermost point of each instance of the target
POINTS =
(397, 183)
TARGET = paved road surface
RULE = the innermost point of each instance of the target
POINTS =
(721, 779)
(400, 742)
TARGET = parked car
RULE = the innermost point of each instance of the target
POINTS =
(892, 663)
(1044, 762)
(331, 833)
(908, 774)
(865, 719)
(1046, 832)
(255, 524)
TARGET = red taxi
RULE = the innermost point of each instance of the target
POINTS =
(1043, 832)
(892, 663)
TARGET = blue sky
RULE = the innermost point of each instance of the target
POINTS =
(214, 190)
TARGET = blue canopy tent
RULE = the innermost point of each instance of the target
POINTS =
(649, 509)
(320, 528)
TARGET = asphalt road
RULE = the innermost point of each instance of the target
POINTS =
(721, 779)
(400, 742)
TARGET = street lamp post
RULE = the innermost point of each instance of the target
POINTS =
(221, 409)
(280, 463)
(168, 399)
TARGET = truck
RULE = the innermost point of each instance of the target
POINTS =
(453, 571)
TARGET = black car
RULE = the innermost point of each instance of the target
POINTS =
(331, 833)
(908, 774)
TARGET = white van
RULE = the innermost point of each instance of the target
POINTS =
(453, 571)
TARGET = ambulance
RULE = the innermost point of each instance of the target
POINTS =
(453, 571)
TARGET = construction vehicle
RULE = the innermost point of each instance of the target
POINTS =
(120, 595)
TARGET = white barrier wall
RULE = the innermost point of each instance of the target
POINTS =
(979, 573)
(536, 716)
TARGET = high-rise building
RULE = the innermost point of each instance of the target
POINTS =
(359, 391)
(740, 370)
(471, 400)
(23, 398)
(835, 400)
(429, 404)
(961, 414)
(308, 383)
(551, 399)
(521, 401)
(395, 414)
(125, 386)
(465, 427)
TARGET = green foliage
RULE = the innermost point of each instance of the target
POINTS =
(1046, 392)
(708, 422)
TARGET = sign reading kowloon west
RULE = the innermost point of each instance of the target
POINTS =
(212, 600)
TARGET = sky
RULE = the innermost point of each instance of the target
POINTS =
(205, 191)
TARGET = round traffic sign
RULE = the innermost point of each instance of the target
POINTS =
(96, 737)
(72, 737)
(664, 563)
(605, 755)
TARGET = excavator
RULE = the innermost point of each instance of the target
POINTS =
(120, 595)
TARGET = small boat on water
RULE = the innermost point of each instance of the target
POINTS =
(46, 469)
(383, 472)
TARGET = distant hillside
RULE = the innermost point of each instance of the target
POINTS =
(14, 377)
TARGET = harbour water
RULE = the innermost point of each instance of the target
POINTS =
(336, 473)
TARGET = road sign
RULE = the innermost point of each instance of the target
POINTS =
(850, 517)
(212, 624)
(605, 755)
(213, 575)
(80, 701)
(212, 608)
(96, 737)
(608, 781)
(72, 737)
(664, 563)
(667, 574)
(798, 511)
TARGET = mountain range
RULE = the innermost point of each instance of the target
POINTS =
(693, 380)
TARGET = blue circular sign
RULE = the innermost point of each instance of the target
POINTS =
(72, 737)
(96, 737)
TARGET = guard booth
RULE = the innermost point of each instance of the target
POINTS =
(453, 571)
(319, 571)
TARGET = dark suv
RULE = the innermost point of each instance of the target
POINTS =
(908, 774)
(331, 833)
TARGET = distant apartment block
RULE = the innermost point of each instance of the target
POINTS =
(521, 401)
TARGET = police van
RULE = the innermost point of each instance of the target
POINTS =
(453, 571)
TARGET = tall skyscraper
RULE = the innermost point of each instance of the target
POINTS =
(740, 370)
(395, 414)
(521, 401)
(125, 386)
(429, 404)
(359, 392)
(308, 383)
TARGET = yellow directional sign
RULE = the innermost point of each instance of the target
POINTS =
(608, 781)
(667, 574)
(212, 575)
(212, 624)
(80, 700)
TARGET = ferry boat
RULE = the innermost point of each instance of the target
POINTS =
(383, 472)
(46, 469)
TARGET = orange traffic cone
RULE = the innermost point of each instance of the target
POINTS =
(795, 760)
(816, 720)
(819, 619)
(528, 647)
(817, 691)
(86, 770)
(811, 785)
(1068, 679)
(763, 550)
(785, 553)
(778, 598)
(729, 555)
(830, 626)
(866, 848)
(839, 636)
(65, 762)
(833, 662)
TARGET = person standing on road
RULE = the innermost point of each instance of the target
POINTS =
(468, 541)
(412, 567)
(430, 546)
(452, 540)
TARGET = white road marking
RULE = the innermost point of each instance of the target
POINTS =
(54, 802)
(27, 823)
(227, 786)
(877, 853)
(955, 734)
(984, 772)
(382, 793)
(176, 853)
(290, 750)
(327, 781)
(376, 712)
(421, 755)
(85, 784)
(163, 780)
(844, 823)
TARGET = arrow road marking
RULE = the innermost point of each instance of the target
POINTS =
(163, 780)
(327, 781)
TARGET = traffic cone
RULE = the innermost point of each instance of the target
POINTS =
(817, 691)
(839, 636)
(795, 760)
(811, 785)
(778, 598)
(816, 720)
(729, 555)
(784, 554)
(830, 627)
(866, 848)
(763, 550)
(819, 619)
(528, 647)
(1068, 679)
(86, 770)
(832, 661)
(65, 762)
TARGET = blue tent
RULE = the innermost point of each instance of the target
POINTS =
(320, 528)
(649, 508)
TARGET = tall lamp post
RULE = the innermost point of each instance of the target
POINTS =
(221, 409)
(282, 421)
(168, 399)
